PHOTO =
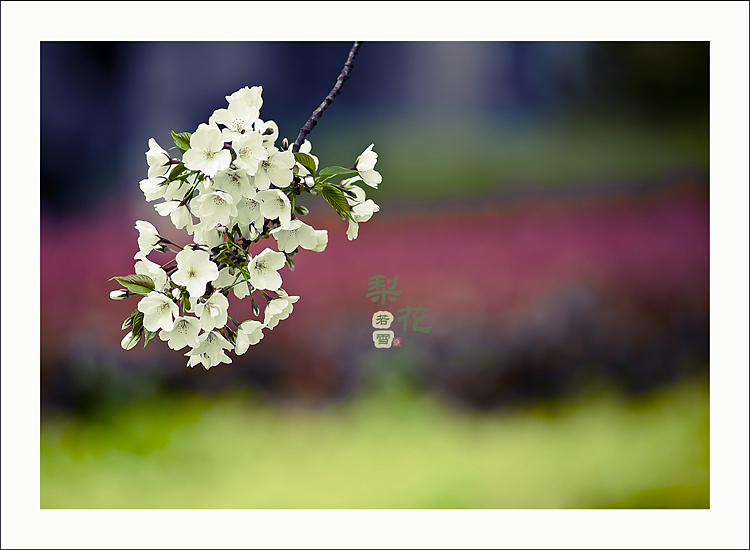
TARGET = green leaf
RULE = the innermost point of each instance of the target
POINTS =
(138, 324)
(176, 171)
(336, 198)
(137, 284)
(336, 171)
(182, 140)
(306, 161)
(222, 257)
(148, 335)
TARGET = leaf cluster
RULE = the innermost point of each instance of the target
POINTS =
(333, 193)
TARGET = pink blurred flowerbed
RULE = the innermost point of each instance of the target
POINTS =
(551, 282)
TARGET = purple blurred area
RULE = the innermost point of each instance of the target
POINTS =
(528, 296)
(530, 299)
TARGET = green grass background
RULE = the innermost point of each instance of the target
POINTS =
(382, 450)
(426, 157)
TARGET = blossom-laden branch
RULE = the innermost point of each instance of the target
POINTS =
(313, 120)
(242, 189)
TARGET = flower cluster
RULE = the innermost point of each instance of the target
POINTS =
(232, 188)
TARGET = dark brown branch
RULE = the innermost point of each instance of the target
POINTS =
(313, 120)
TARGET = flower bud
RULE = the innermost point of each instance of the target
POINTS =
(284, 144)
(309, 181)
(129, 341)
(119, 294)
(301, 210)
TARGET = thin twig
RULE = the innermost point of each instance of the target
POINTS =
(313, 120)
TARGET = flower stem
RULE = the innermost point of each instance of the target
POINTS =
(313, 120)
(167, 241)
(189, 194)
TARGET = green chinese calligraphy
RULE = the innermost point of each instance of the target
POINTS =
(377, 289)
(415, 319)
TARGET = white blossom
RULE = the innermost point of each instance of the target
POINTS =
(359, 193)
(264, 270)
(207, 152)
(276, 169)
(279, 309)
(249, 333)
(194, 271)
(178, 213)
(148, 237)
(184, 333)
(321, 239)
(234, 182)
(352, 231)
(238, 119)
(226, 278)
(209, 351)
(365, 165)
(158, 160)
(297, 234)
(158, 311)
(207, 236)
(212, 312)
(363, 212)
(241, 289)
(214, 208)
(275, 204)
(176, 189)
(268, 130)
(153, 188)
(362, 208)
(250, 152)
(153, 270)
(252, 97)
(249, 212)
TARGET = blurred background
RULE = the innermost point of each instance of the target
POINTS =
(546, 203)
